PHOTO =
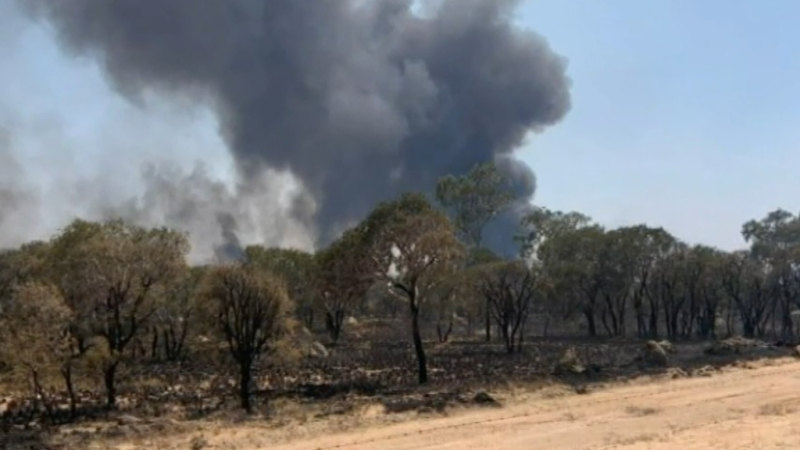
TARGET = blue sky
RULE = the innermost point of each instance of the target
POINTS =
(684, 115)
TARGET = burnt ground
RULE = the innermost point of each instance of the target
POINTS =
(163, 397)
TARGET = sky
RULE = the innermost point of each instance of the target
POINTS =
(684, 115)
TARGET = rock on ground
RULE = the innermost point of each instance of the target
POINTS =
(569, 363)
(654, 354)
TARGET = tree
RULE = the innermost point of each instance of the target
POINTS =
(775, 242)
(35, 332)
(251, 309)
(474, 199)
(412, 246)
(648, 248)
(111, 275)
(344, 278)
(299, 271)
(745, 281)
(509, 288)
(175, 315)
(457, 295)
(573, 258)
(709, 262)
(542, 224)
(18, 266)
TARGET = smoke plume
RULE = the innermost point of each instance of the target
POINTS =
(219, 219)
(358, 100)
(14, 194)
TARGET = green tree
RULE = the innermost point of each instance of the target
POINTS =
(474, 199)
(176, 315)
(541, 224)
(250, 309)
(745, 280)
(298, 269)
(111, 275)
(344, 278)
(775, 242)
(412, 247)
(34, 329)
(19, 266)
(573, 259)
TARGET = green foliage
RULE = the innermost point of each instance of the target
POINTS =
(410, 244)
(34, 330)
(345, 275)
(474, 199)
(542, 224)
(74, 309)
(250, 309)
(298, 269)
(112, 276)
(412, 247)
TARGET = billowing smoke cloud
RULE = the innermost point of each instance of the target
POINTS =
(219, 219)
(15, 195)
(359, 100)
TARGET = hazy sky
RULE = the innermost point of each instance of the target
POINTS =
(684, 115)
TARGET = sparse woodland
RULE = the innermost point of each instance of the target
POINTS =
(98, 314)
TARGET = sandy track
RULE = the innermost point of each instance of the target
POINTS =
(738, 409)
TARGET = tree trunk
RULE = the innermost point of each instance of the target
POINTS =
(109, 378)
(444, 333)
(488, 323)
(729, 321)
(66, 374)
(508, 337)
(39, 393)
(641, 328)
(546, 326)
(333, 322)
(604, 321)
(422, 363)
(245, 375)
(653, 332)
(590, 322)
(154, 345)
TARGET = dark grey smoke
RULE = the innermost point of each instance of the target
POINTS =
(231, 247)
(500, 233)
(360, 100)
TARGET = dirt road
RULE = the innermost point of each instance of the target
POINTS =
(757, 408)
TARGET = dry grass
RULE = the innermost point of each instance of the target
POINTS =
(640, 411)
(619, 441)
(781, 408)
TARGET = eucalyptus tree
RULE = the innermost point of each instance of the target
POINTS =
(412, 248)
(112, 276)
